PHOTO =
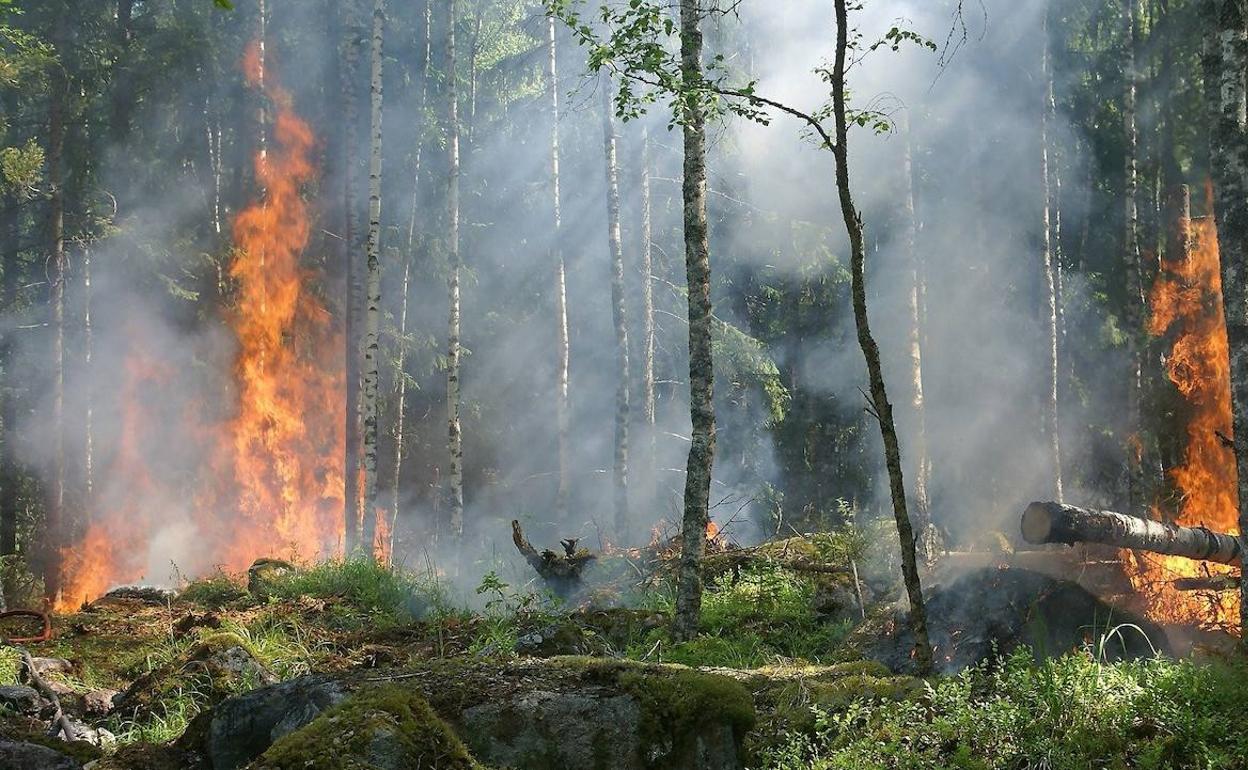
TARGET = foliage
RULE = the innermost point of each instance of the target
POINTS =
(213, 591)
(368, 591)
(1068, 713)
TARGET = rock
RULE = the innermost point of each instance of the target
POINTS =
(22, 699)
(96, 736)
(15, 755)
(990, 612)
(218, 666)
(382, 728)
(564, 638)
(242, 728)
(45, 666)
(98, 703)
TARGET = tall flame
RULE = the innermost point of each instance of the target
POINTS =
(1187, 303)
(273, 485)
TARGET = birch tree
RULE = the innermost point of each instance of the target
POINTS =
(619, 317)
(454, 436)
(1050, 268)
(1131, 258)
(372, 309)
(351, 459)
(562, 341)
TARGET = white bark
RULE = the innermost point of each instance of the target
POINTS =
(454, 435)
(562, 341)
(619, 317)
(372, 292)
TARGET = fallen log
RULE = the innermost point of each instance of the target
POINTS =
(1208, 583)
(1059, 523)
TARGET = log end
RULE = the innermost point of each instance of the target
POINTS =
(1037, 524)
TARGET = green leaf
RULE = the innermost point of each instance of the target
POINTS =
(226, 4)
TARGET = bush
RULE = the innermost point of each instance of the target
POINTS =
(1068, 713)
(383, 594)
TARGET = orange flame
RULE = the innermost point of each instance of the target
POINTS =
(1187, 302)
(712, 530)
(274, 483)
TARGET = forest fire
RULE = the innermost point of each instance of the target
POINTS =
(273, 485)
(1187, 302)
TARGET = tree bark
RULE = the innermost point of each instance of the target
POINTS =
(54, 523)
(1131, 258)
(871, 352)
(400, 366)
(1228, 35)
(1052, 522)
(88, 348)
(928, 539)
(454, 435)
(647, 309)
(619, 317)
(372, 291)
(562, 342)
(1050, 268)
(351, 464)
(699, 468)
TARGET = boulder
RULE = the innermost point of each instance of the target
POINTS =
(377, 728)
(16, 755)
(45, 666)
(21, 699)
(242, 728)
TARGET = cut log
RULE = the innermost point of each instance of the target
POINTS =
(1060, 523)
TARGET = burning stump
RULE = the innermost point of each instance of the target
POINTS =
(561, 571)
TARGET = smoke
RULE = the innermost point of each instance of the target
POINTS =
(974, 123)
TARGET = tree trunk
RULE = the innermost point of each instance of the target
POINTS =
(454, 437)
(701, 371)
(1131, 257)
(562, 343)
(372, 308)
(647, 309)
(928, 539)
(9, 469)
(618, 316)
(351, 465)
(400, 368)
(1045, 523)
(1229, 153)
(879, 395)
(1049, 266)
(54, 522)
(88, 344)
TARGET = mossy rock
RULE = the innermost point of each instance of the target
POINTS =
(263, 573)
(380, 728)
(146, 756)
(19, 729)
(215, 667)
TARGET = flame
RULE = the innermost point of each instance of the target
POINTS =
(274, 484)
(712, 530)
(1187, 302)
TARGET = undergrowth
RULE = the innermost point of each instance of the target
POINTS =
(1069, 713)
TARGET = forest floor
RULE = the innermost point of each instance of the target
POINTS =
(775, 681)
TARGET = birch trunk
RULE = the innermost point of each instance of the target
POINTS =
(400, 366)
(928, 539)
(1049, 265)
(562, 342)
(454, 436)
(372, 309)
(1131, 256)
(351, 466)
(686, 621)
(1228, 62)
(619, 317)
(647, 308)
(871, 352)
(88, 343)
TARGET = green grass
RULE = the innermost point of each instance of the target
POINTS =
(1069, 713)
(763, 615)
(368, 592)
(214, 591)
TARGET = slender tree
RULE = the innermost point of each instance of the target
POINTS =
(372, 308)
(1131, 259)
(883, 410)
(1049, 266)
(701, 363)
(618, 315)
(351, 467)
(400, 370)
(562, 341)
(55, 520)
(647, 311)
(454, 435)
(921, 467)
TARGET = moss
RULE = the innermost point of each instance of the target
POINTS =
(388, 724)
(10, 664)
(27, 730)
(145, 756)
